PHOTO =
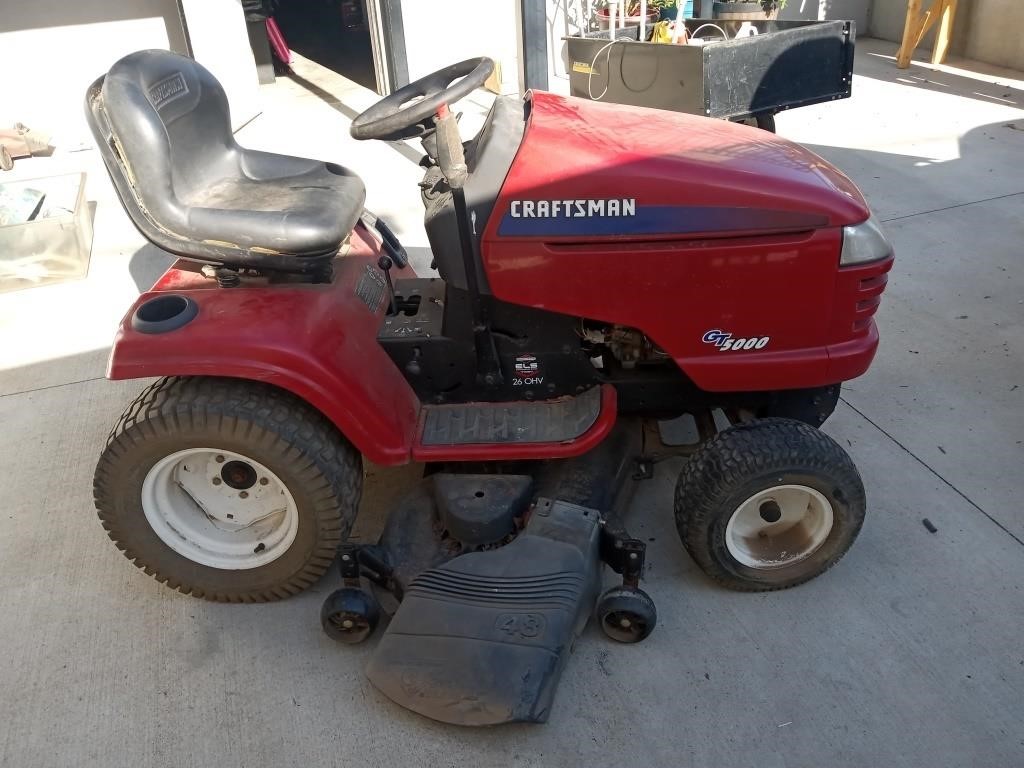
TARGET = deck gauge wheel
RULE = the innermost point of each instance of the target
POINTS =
(349, 615)
(627, 614)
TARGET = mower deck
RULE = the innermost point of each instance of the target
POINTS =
(497, 574)
(482, 639)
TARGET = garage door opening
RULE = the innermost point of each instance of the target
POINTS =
(333, 33)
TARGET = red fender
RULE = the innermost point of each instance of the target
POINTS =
(318, 342)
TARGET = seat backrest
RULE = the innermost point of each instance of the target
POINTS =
(172, 125)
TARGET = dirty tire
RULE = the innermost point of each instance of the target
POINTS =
(320, 468)
(740, 462)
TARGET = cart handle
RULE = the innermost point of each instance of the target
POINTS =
(713, 26)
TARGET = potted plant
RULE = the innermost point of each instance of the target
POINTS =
(632, 13)
(667, 8)
(748, 10)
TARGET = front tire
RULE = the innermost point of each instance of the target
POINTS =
(768, 505)
(228, 490)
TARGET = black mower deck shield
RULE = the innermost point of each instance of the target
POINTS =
(482, 639)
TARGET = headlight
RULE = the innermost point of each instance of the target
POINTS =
(863, 243)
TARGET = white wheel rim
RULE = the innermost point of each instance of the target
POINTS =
(779, 526)
(219, 508)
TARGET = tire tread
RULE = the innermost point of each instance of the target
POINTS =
(330, 468)
(739, 453)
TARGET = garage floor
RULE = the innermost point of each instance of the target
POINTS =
(909, 653)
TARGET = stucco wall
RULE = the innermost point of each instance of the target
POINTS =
(50, 50)
(482, 29)
(991, 31)
(995, 32)
(855, 10)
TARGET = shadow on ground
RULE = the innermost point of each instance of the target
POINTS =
(940, 81)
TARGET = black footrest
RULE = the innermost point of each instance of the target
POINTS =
(483, 638)
(546, 421)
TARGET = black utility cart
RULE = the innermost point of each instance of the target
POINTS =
(742, 78)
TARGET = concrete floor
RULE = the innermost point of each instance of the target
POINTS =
(909, 653)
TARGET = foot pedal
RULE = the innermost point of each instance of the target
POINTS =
(482, 639)
(558, 428)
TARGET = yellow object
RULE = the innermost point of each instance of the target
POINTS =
(493, 83)
(917, 25)
(662, 33)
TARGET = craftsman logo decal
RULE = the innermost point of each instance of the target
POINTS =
(527, 371)
(572, 209)
(725, 342)
(622, 216)
(168, 89)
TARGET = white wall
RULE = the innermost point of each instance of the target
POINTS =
(857, 11)
(50, 50)
(219, 41)
(483, 28)
(994, 32)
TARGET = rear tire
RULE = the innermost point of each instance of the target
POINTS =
(768, 505)
(160, 494)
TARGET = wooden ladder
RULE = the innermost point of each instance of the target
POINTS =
(917, 25)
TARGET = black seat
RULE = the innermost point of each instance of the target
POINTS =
(163, 127)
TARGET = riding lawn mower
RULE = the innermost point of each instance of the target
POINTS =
(603, 271)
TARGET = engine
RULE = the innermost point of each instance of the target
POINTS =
(627, 345)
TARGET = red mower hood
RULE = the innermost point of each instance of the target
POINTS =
(732, 179)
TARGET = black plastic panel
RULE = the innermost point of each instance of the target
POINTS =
(779, 70)
(480, 510)
(549, 421)
(482, 639)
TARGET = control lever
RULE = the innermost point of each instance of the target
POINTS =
(450, 155)
(385, 263)
(451, 158)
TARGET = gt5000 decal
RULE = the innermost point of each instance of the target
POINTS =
(724, 341)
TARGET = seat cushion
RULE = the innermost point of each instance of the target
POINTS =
(164, 129)
(277, 202)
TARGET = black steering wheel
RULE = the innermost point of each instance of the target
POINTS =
(404, 113)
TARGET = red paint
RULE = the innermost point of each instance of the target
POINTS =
(677, 287)
(858, 293)
(513, 451)
(317, 341)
